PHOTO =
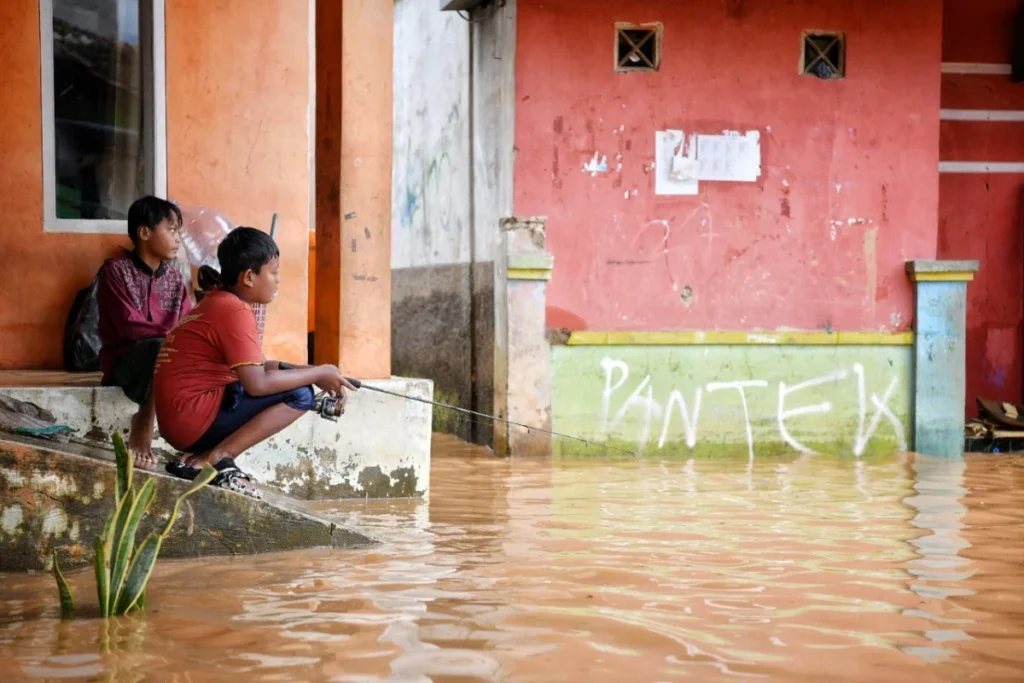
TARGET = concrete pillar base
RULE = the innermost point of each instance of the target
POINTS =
(523, 395)
(939, 354)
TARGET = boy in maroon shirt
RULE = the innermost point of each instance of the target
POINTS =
(141, 297)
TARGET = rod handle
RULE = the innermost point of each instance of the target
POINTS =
(354, 382)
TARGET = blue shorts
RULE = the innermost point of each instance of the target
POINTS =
(239, 408)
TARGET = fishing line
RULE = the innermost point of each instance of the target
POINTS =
(331, 412)
(465, 411)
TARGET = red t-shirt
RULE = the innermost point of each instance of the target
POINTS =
(198, 359)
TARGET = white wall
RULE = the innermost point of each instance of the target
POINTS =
(430, 177)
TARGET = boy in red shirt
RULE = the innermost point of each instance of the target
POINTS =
(215, 395)
(140, 297)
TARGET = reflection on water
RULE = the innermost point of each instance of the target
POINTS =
(891, 569)
(940, 572)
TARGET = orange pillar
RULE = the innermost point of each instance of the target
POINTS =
(354, 120)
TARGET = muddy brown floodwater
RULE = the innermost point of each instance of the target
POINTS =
(796, 569)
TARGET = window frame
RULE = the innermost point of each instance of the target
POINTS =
(657, 30)
(152, 27)
(807, 37)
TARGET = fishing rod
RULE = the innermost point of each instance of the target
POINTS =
(329, 407)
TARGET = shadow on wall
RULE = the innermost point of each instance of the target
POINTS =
(432, 335)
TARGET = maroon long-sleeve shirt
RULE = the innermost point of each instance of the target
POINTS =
(135, 304)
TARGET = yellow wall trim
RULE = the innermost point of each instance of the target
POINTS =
(963, 276)
(529, 274)
(726, 338)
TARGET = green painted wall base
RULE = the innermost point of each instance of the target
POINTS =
(743, 400)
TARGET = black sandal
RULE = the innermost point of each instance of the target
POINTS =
(233, 479)
(178, 468)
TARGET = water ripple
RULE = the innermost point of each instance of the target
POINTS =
(899, 568)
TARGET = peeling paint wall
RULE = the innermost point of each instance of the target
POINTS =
(981, 213)
(430, 255)
(451, 186)
(847, 190)
(430, 175)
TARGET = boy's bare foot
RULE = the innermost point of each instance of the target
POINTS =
(140, 440)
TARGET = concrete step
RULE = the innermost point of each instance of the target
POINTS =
(59, 496)
(380, 447)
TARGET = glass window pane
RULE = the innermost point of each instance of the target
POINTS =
(98, 99)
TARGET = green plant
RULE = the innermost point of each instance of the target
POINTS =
(122, 568)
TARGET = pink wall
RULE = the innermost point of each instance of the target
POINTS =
(981, 216)
(778, 253)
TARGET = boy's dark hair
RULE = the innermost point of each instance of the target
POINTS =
(243, 249)
(147, 212)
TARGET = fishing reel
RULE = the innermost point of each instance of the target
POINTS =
(328, 407)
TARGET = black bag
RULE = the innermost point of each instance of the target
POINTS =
(82, 331)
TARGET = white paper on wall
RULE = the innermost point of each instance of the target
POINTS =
(729, 157)
(675, 163)
(682, 162)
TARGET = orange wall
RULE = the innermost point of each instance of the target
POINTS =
(238, 97)
(353, 177)
(238, 127)
(39, 273)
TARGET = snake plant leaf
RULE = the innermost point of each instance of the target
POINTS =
(145, 557)
(102, 567)
(125, 466)
(125, 545)
(139, 573)
(113, 541)
(67, 600)
(110, 526)
(204, 477)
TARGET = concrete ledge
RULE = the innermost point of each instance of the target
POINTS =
(541, 261)
(60, 498)
(933, 266)
(380, 448)
(942, 271)
(735, 338)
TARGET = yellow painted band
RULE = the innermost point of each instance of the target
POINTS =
(964, 276)
(529, 274)
(726, 338)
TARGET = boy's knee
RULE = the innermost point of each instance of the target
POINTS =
(302, 399)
